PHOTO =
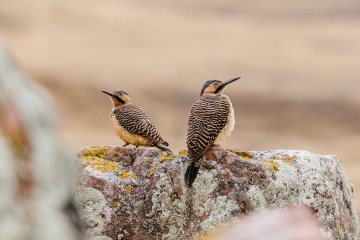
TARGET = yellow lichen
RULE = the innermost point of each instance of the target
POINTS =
(150, 160)
(100, 164)
(165, 158)
(94, 157)
(244, 155)
(271, 164)
(152, 172)
(128, 189)
(125, 174)
(183, 152)
(289, 160)
(95, 151)
(116, 203)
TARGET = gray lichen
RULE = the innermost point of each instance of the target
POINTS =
(90, 203)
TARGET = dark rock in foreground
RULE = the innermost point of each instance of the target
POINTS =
(148, 200)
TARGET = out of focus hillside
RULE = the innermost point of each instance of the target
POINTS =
(299, 62)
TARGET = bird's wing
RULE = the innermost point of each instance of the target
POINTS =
(135, 120)
(207, 118)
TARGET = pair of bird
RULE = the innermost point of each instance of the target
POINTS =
(211, 120)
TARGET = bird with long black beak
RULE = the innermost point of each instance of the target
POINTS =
(211, 120)
(132, 124)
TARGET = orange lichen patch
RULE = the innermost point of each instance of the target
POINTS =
(128, 189)
(165, 158)
(271, 164)
(125, 174)
(183, 152)
(289, 160)
(244, 155)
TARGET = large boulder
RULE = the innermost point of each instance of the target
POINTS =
(37, 173)
(139, 193)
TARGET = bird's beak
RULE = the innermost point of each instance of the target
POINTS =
(110, 94)
(226, 83)
(114, 97)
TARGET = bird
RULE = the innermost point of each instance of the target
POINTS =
(210, 121)
(132, 124)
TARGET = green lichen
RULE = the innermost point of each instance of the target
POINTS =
(244, 155)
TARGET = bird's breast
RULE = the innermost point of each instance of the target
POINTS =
(229, 127)
(127, 136)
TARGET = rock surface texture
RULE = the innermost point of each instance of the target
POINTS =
(37, 176)
(127, 193)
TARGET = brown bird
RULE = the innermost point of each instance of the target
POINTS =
(132, 124)
(211, 120)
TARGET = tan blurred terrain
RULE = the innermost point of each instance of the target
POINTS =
(299, 62)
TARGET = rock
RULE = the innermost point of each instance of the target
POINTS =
(293, 223)
(148, 200)
(37, 175)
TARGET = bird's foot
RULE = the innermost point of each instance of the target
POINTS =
(126, 144)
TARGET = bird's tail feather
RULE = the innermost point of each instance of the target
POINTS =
(162, 148)
(191, 174)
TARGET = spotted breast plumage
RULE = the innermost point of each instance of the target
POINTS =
(211, 119)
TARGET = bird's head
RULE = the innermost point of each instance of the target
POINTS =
(119, 97)
(215, 87)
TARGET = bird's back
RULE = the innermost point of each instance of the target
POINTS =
(208, 116)
(135, 120)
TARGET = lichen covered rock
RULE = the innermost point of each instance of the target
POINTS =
(128, 193)
(37, 173)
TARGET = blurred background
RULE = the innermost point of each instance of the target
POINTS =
(299, 62)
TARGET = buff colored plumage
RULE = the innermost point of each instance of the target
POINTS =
(132, 124)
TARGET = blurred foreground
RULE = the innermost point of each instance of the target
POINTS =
(297, 223)
(299, 63)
